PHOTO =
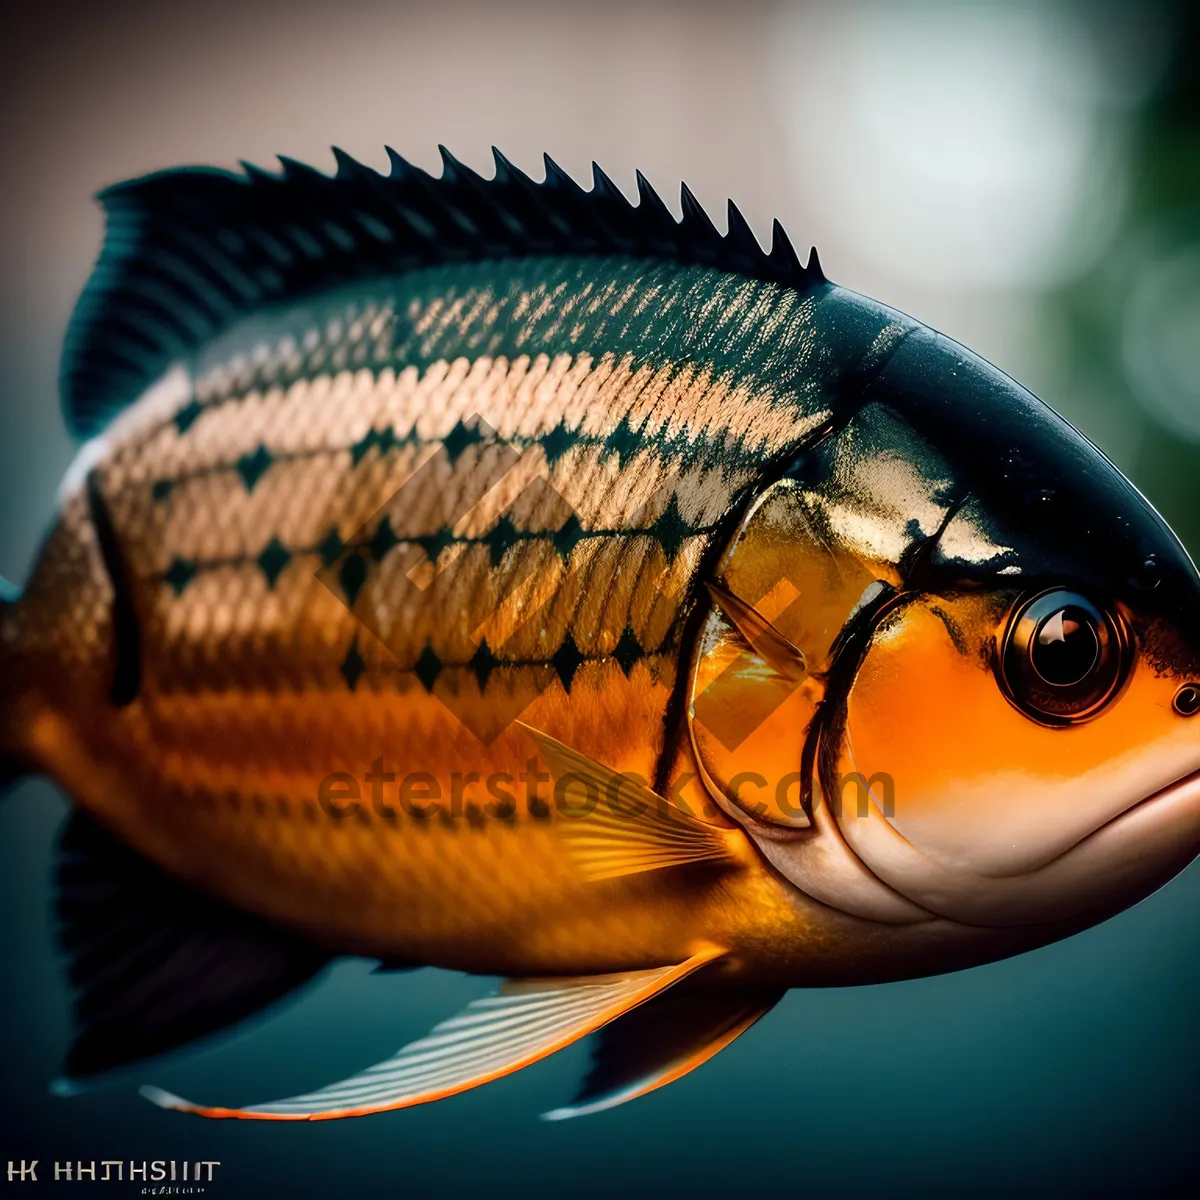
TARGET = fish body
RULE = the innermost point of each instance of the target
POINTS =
(246, 699)
(421, 517)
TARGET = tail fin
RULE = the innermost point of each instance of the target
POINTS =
(12, 764)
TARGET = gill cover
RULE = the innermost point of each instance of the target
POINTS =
(817, 564)
(941, 655)
(818, 560)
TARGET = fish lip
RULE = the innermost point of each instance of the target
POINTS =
(1136, 851)
(1181, 782)
(1184, 790)
(1164, 793)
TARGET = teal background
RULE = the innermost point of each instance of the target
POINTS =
(1074, 1069)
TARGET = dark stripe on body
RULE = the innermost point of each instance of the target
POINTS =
(127, 639)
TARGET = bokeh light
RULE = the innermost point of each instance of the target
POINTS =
(1161, 341)
(963, 145)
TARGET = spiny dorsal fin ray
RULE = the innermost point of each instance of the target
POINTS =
(603, 187)
(658, 218)
(782, 254)
(702, 234)
(187, 251)
(741, 240)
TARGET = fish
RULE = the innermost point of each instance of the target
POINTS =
(496, 575)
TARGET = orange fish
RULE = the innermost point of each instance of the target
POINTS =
(495, 575)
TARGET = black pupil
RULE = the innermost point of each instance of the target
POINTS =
(1066, 647)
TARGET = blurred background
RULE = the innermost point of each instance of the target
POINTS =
(1024, 176)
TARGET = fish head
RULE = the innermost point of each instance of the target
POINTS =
(952, 662)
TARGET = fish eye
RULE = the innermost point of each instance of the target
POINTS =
(1065, 646)
(1063, 658)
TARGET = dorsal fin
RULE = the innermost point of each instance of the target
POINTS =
(188, 251)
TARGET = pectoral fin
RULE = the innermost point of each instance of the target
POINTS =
(524, 1022)
(626, 827)
(784, 657)
(663, 1040)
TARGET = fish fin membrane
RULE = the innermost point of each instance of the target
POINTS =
(189, 251)
(625, 828)
(665, 1039)
(775, 650)
(494, 1036)
(12, 764)
(153, 963)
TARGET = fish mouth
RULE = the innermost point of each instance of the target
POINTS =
(1120, 862)
(1114, 866)
(1183, 793)
(1117, 864)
